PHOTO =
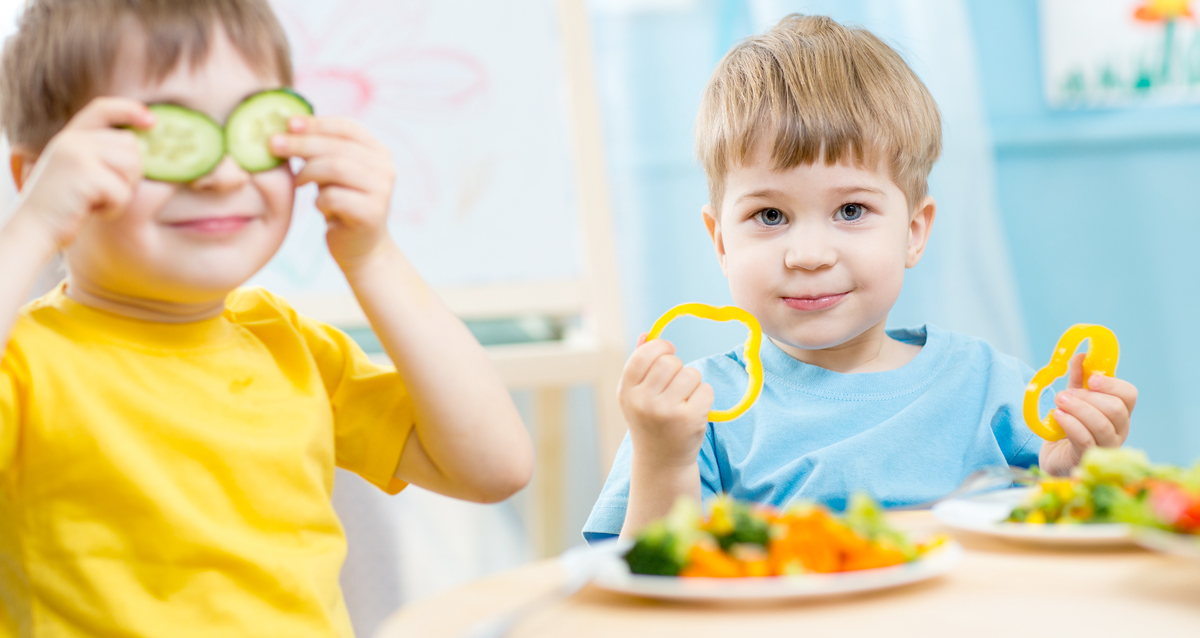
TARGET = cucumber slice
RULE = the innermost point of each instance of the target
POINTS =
(182, 146)
(255, 120)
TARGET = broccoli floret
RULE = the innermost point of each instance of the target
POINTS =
(662, 548)
(658, 552)
(733, 523)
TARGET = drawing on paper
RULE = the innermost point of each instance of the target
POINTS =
(467, 95)
(1099, 53)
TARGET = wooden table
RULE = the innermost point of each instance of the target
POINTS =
(999, 589)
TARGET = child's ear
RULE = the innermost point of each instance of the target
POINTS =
(918, 231)
(713, 224)
(21, 162)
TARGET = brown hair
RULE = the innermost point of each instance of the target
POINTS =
(824, 92)
(63, 52)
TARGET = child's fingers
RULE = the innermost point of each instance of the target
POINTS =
(639, 362)
(109, 112)
(1101, 429)
(1075, 371)
(1113, 409)
(307, 146)
(702, 398)
(336, 169)
(119, 151)
(1077, 433)
(1120, 388)
(682, 385)
(337, 201)
(642, 338)
(110, 193)
(332, 126)
(660, 374)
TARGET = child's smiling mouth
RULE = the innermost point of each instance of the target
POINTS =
(815, 302)
(225, 225)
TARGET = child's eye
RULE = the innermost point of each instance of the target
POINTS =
(851, 212)
(770, 217)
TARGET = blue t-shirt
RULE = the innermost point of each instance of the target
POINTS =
(904, 436)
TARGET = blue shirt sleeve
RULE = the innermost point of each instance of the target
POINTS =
(608, 514)
(1019, 444)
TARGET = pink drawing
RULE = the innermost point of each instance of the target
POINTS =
(368, 60)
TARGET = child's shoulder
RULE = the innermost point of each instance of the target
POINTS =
(966, 351)
(254, 303)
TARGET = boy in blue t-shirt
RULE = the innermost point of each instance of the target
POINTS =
(818, 141)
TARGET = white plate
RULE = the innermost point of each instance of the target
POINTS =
(985, 514)
(1168, 542)
(614, 575)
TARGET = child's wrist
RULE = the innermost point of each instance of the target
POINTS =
(30, 232)
(665, 463)
(369, 262)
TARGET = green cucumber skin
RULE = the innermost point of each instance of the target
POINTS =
(249, 127)
(198, 163)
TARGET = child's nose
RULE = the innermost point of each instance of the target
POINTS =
(810, 250)
(227, 176)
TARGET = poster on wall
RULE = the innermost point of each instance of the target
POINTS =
(475, 114)
(1112, 53)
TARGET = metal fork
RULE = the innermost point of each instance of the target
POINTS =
(989, 478)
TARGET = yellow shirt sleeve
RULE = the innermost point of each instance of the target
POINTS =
(373, 412)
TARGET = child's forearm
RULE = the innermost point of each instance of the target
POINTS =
(653, 490)
(469, 440)
(24, 250)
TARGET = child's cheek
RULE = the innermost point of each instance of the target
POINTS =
(278, 189)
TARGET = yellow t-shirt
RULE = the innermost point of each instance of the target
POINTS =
(175, 480)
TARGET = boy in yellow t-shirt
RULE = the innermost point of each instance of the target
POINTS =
(168, 440)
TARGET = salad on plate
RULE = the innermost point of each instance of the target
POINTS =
(744, 552)
(1117, 486)
(1111, 498)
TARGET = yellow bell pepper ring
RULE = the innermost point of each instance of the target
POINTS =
(753, 344)
(1103, 352)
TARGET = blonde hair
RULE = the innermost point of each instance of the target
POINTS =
(63, 52)
(823, 92)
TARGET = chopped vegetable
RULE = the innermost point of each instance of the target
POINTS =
(741, 540)
(733, 522)
(1117, 486)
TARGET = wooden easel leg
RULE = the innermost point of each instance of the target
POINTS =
(550, 414)
(610, 424)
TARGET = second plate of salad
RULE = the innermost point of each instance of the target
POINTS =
(1112, 494)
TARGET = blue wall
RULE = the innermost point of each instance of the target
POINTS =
(1102, 214)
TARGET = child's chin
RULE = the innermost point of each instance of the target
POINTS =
(213, 282)
(816, 339)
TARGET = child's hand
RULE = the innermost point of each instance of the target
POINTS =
(1097, 415)
(355, 175)
(90, 167)
(665, 403)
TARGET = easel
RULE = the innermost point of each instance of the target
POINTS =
(592, 355)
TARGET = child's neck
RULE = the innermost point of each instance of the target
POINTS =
(871, 351)
(93, 296)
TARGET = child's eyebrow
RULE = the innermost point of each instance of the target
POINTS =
(762, 194)
(845, 191)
